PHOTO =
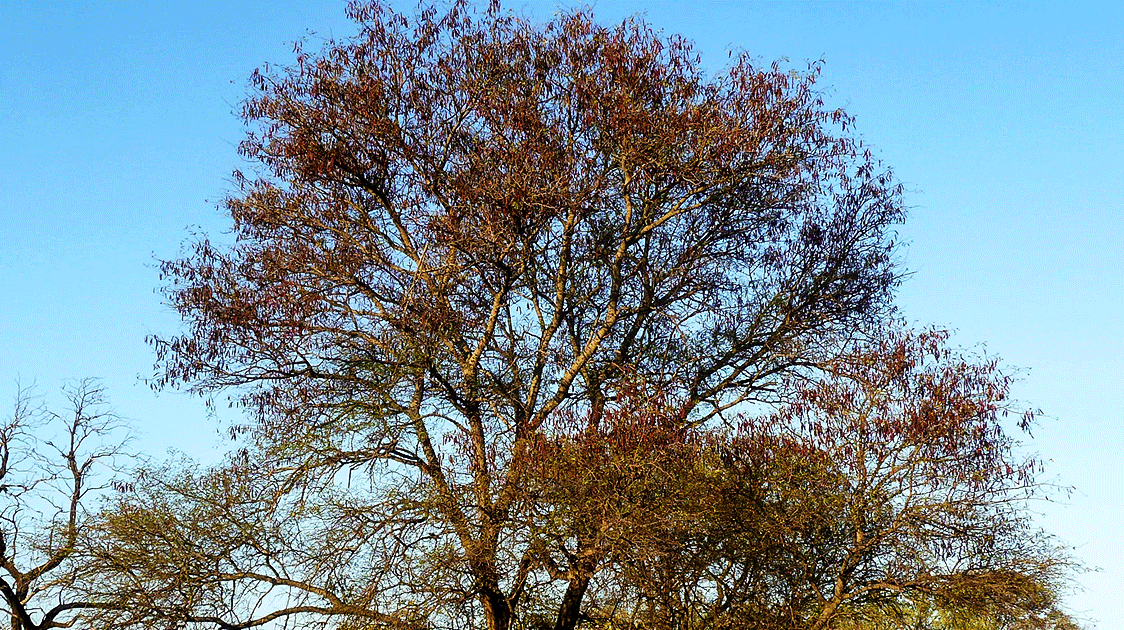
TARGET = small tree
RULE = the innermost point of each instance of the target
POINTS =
(616, 492)
(888, 494)
(52, 468)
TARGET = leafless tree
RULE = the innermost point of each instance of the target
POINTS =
(53, 468)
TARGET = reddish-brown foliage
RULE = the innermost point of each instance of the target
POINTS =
(889, 490)
(464, 227)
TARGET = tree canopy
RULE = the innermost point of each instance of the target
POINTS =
(504, 305)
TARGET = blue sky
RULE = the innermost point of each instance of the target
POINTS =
(118, 135)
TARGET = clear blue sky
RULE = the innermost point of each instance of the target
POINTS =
(117, 133)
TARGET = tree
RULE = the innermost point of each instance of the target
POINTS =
(52, 468)
(887, 494)
(615, 494)
(463, 227)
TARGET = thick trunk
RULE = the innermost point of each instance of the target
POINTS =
(570, 608)
(497, 611)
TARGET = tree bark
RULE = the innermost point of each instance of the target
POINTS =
(497, 610)
(570, 608)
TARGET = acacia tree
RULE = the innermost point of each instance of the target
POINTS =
(51, 469)
(616, 494)
(887, 494)
(464, 225)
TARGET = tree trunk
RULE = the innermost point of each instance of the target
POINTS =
(570, 608)
(497, 611)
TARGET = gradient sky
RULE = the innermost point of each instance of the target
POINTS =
(118, 136)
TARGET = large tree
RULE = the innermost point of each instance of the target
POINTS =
(463, 227)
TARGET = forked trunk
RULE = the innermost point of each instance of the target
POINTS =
(570, 609)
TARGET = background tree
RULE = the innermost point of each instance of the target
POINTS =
(888, 494)
(52, 469)
(463, 226)
(616, 493)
